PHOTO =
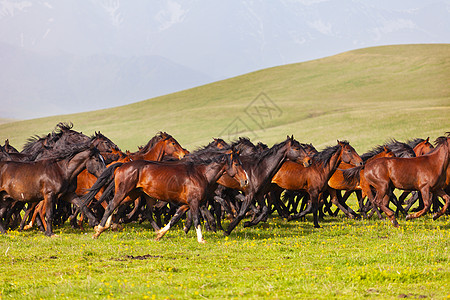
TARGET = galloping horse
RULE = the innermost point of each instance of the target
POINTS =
(426, 174)
(314, 179)
(338, 182)
(47, 179)
(185, 183)
(260, 169)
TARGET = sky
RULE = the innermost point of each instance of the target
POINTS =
(61, 57)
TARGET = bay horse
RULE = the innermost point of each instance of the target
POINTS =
(337, 182)
(48, 179)
(426, 174)
(261, 167)
(185, 182)
(107, 150)
(314, 179)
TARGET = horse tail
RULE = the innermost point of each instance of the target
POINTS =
(107, 193)
(352, 176)
(104, 179)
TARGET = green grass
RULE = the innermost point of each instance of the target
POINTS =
(346, 259)
(364, 96)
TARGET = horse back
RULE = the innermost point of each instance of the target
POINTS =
(29, 181)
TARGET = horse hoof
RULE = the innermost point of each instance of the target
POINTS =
(408, 217)
(247, 224)
(202, 241)
(436, 216)
(317, 226)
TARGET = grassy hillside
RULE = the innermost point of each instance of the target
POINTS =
(364, 96)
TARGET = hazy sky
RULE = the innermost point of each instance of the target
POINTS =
(70, 56)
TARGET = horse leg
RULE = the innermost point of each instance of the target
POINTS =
(426, 197)
(209, 218)
(194, 207)
(241, 215)
(176, 217)
(383, 204)
(335, 201)
(49, 200)
(148, 211)
(446, 198)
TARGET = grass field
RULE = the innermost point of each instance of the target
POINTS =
(345, 259)
(364, 96)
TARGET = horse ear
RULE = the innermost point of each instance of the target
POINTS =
(427, 140)
(292, 137)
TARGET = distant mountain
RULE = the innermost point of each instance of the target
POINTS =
(87, 51)
(33, 84)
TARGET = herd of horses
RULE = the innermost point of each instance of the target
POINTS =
(69, 176)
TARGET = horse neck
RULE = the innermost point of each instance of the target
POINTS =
(213, 171)
(74, 166)
(271, 164)
(440, 157)
(156, 153)
(333, 163)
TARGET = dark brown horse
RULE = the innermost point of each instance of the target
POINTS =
(314, 179)
(184, 183)
(426, 174)
(261, 167)
(48, 179)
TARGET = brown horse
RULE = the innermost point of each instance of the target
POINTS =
(185, 183)
(426, 174)
(48, 179)
(261, 166)
(337, 182)
(314, 179)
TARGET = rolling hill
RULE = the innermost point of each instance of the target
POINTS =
(365, 96)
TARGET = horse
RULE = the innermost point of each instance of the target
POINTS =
(426, 174)
(261, 167)
(48, 179)
(314, 179)
(337, 182)
(420, 147)
(184, 182)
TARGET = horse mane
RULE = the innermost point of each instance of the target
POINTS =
(245, 146)
(309, 147)
(206, 156)
(99, 135)
(400, 149)
(270, 151)
(440, 141)
(325, 155)
(371, 153)
(261, 146)
(68, 151)
(413, 143)
(62, 126)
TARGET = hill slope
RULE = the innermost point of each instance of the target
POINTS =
(364, 96)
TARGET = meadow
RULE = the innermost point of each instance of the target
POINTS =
(365, 96)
